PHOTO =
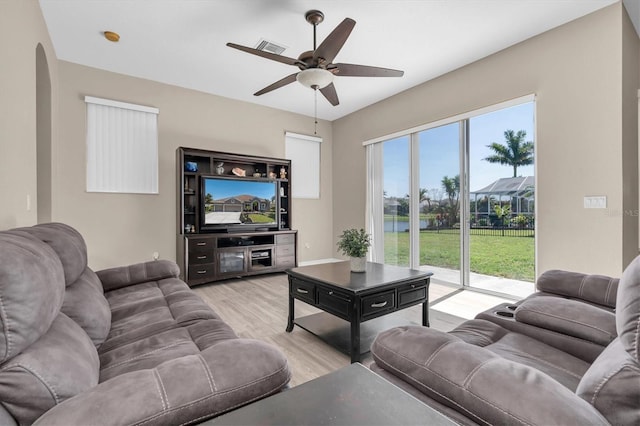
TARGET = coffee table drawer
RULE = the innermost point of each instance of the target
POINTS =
(334, 302)
(304, 291)
(378, 304)
(415, 293)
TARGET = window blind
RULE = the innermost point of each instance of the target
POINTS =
(304, 153)
(122, 147)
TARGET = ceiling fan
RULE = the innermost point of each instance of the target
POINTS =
(317, 69)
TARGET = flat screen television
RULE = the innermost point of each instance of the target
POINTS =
(230, 204)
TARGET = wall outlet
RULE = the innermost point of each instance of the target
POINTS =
(597, 202)
(156, 255)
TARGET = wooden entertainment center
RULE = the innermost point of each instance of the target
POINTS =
(221, 236)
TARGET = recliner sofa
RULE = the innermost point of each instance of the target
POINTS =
(128, 345)
(567, 355)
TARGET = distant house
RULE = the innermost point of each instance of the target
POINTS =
(391, 206)
(241, 203)
(518, 191)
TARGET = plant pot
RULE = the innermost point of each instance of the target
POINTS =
(358, 264)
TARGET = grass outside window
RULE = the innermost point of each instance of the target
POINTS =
(508, 257)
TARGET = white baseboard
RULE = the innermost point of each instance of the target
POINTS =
(319, 261)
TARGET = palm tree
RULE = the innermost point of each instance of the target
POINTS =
(451, 187)
(516, 152)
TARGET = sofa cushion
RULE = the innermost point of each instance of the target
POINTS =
(180, 391)
(561, 366)
(59, 365)
(124, 276)
(477, 382)
(597, 289)
(142, 310)
(84, 302)
(612, 385)
(628, 309)
(570, 317)
(68, 245)
(31, 291)
(152, 351)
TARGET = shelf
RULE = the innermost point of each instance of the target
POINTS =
(234, 253)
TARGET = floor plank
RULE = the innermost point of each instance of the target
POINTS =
(257, 308)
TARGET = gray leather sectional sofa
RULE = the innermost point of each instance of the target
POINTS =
(567, 355)
(129, 345)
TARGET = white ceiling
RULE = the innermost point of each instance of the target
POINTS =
(182, 42)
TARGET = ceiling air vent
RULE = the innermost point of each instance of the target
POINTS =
(271, 47)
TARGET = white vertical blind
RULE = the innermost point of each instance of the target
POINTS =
(122, 147)
(304, 153)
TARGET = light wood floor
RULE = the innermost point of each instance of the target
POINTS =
(257, 308)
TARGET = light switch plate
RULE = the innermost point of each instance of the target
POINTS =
(597, 202)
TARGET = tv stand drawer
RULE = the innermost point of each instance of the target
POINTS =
(202, 272)
(201, 244)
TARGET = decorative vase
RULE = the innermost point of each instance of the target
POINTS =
(358, 264)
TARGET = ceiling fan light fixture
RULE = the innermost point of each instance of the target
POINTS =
(315, 78)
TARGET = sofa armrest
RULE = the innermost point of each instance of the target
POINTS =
(570, 317)
(597, 289)
(184, 390)
(124, 276)
(476, 382)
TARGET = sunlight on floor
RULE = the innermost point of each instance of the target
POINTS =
(467, 304)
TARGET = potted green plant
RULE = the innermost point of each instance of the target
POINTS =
(355, 244)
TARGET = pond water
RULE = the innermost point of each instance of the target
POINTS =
(391, 225)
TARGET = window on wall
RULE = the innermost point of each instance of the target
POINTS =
(457, 197)
(304, 153)
(122, 147)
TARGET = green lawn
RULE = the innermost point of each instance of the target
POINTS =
(260, 218)
(509, 257)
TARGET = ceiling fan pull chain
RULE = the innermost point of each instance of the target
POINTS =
(315, 110)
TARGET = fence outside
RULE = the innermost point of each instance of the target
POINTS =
(495, 231)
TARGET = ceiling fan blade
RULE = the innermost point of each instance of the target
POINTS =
(268, 55)
(352, 70)
(329, 92)
(278, 84)
(331, 45)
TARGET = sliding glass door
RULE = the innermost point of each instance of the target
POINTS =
(458, 199)
(395, 159)
(439, 201)
(501, 200)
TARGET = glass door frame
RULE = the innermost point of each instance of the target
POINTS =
(375, 226)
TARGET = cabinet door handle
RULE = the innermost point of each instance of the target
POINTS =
(201, 244)
(201, 257)
(379, 305)
(413, 286)
(201, 272)
(302, 291)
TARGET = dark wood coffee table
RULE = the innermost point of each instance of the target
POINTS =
(353, 395)
(353, 298)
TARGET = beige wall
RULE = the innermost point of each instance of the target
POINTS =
(22, 28)
(585, 75)
(575, 71)
(124, 228)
